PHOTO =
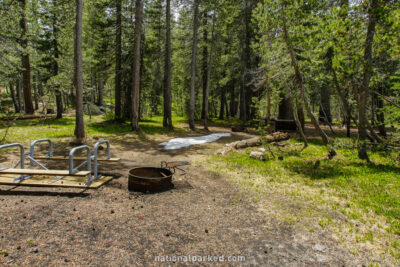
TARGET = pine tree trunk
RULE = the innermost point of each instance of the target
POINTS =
(127, 111)
(19, 94)
(26, 67)
(233, 102)
(380, 116)
(325, 107)
(136, 66)
(167, 122)
(223, 103)
(193, 65)
(299, 80)
(35, 94)
(59, 104)
(100, 93)
(245, 98)
(79, 124)
(209, 69)
(40, 86)
(268, 93)
(142, 41)
(58, 93)
(363, 91)
(13, 97)
(298, 109)
(205, 62)
(118, 70)
(346, 105)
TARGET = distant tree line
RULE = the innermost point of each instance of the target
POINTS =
(327, 61)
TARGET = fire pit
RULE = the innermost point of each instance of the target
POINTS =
(149, 179)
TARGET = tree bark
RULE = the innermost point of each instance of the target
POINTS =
(35, 94)
(58, 93)
(136, 66)
(223, 103)
(18, 88)
(79, 124)
(299, 80)
(380, 115)
(40, 86)
(268, 93)
(26, 67)
(59, 104)
(100, 93)
(205, 61)
(346, 105)
(209, 69)
(118, 70)
(167, 122)
(363, 91)
(325, 107)
(299, 125)
(14, 98)
(127, 111)
(193, 65)
(232, 104)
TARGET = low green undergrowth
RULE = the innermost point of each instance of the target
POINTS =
(362, 195)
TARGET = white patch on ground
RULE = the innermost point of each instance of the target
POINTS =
(178, 143)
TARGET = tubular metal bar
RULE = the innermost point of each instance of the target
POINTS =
(95, 156)
(32, 149)
(22, 152)
(71, 161)
(34, 161)
(31, 155)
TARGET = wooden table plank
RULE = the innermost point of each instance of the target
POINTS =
(43, 172)
(76, 158)
(43, 181)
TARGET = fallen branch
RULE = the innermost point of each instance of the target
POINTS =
(385, 145)
(256, 141)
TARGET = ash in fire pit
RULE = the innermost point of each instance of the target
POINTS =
(150, 179)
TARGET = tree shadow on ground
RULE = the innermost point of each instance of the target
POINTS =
(328, 169)
(319, 169)
(65, 121)
(11, 192)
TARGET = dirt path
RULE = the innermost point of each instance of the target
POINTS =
(204, 215)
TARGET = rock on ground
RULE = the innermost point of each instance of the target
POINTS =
(257, 155)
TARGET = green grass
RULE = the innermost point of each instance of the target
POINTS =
(369, 190)
(62, 128)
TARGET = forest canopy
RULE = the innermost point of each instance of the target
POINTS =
(324, 62)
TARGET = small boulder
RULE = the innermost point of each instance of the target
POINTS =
(91, 109)
(257, 155)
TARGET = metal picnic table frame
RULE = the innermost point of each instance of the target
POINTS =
(72, 170)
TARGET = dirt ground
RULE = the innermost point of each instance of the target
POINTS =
(203, 215)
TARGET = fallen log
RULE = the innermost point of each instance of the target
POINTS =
(255, 141)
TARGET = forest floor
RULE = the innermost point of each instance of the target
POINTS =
(271, 214)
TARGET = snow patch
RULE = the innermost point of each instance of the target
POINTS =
(178, 143)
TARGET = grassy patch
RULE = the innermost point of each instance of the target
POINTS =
(28, 130)
(343, 193)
